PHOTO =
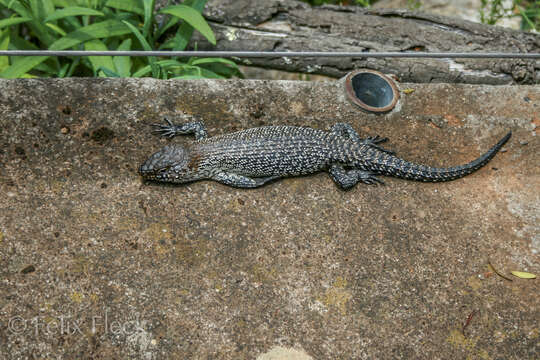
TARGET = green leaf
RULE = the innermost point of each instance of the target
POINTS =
(210, 74)
(13, 21)
(148, 16)
(56, 29)
(72, 11)
(62, 3)
(41, 8)
(213, 60)
(139, 36)
(21, 67)
(73, 66)
(163, 64)
(196, 4)
(99, 61)
(146, 47)
(185, 31)
(104, 29)
(189, 77)
(32, 10)
(18, 43)
(28, 76)
(108, 72)
(130, 6)
(193, 18)
(123, 63)
(170, 23)
(63, 70)
(223, 67)
(4, 44)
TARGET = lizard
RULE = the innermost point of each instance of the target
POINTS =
(253, 157)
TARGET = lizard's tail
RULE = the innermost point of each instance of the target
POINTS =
(394, 166)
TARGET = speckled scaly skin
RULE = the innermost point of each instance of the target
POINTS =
(253, 157)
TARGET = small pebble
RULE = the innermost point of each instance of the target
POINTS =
(523, 142)
(64, 130)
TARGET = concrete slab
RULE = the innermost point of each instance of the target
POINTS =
(96, 264)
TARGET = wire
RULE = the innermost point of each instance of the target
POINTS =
(275, 54)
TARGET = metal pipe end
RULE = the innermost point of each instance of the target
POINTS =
(371, 90)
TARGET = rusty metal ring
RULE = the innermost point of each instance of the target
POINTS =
(371, 90)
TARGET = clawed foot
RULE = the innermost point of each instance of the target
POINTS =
(374, 140)
(168, 130)
(370, 178)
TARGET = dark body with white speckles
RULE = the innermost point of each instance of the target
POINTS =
(272, 150)
(252, 157)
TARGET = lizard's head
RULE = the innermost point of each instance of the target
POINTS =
(170, 164)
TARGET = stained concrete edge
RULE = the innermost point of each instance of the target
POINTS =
(97, 264)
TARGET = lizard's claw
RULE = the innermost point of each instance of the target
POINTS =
(376, 139)
(370, 178)
(168, 130)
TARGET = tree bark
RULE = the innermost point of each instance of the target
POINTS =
(288, 25)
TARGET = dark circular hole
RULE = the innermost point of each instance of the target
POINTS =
(372, 90)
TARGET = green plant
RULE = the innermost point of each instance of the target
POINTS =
(105, 25)
(491, 11)
(414, 4)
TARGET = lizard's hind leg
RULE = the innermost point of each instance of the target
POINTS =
(345, 130)
(346, 179)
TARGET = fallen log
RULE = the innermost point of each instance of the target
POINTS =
(274, 25)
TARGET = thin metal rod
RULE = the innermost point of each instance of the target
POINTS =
(273, 54)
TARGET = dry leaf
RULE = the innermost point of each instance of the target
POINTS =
(523, 275)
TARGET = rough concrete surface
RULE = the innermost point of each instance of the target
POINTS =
(94, 263)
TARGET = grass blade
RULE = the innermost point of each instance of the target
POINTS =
(107, 28)
(193, 18)
(72, 11)
(212, 60)
(102, 29)
(17, 7)
(129, 6)
(185, 30)
(188, 77)
(139, 36)
(4, 44)
(41, 8)
(146, 46)
(56, 29)
(22, 66)
(123, 63)
(148, 16)
(108, 72)
(13, 21)
(99, 61)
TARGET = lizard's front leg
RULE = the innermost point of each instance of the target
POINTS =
(170, 130)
